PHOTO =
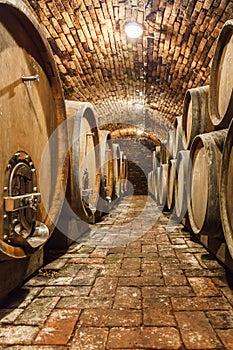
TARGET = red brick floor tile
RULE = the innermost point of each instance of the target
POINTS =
(175, 279)
(104, 286)
(110, 318)
(86, 260)
(149, 292)
(89, 338)
(196, 330)
(221, 318)
(37, 312)
(141, 281)
(114, 258)
(86, 302)
(144, 338)
(85, 277)
(131, 263)
(60, 291)
(58, 327)
(203, 286)
(226, 336)
(18, 334)
(199, 303)
(158, 317)
(127, 298)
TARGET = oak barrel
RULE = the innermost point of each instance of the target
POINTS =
(84, 159)
(156, 158)
(170, 144)
(195, 118)
(221, 78)
(171, 184)
(182, 185)
(226, 189)
(116, 170)
(163, 151)
(34, 169)
(206, 157)
(106, 172)
(163, 183)
(178, 145)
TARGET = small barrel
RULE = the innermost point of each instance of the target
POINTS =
(163, 184)
(84, 159)
(116, 170)
(157, 183)
(156, 158)
(149, 183)
(106, 172)
(178, 145)
(170, 144)
(126, 174)
(221, 79)
(206, 157)
(163, 151)
(34, 171)
(226, 189)
(171, 184)
(182, 185)
(195, 118)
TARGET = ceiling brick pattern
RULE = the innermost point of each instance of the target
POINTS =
(98, 64)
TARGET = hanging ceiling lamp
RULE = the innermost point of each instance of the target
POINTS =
(133, 29)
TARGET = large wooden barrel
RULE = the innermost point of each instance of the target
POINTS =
(33, 172)
(84, 159)
(116, 170)
(226, 189)
(221, 78)
(182, 185)
(106, 172)
(195, 118)
(171, 184)
(206, 157)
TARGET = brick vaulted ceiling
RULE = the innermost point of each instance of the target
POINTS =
(99, 64)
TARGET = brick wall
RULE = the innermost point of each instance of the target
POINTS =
(139, 154)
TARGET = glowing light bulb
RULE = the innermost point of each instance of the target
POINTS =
(133, 30)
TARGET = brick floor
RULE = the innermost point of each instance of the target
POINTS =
(133, 282)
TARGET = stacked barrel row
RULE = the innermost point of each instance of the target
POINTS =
(52, 151)
(98, 168)
(196, 171)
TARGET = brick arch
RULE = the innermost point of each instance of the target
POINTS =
(132, 130)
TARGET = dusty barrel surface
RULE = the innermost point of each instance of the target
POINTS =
(195, 118)
(106, 172)
(84, 159)
(171, 184)
(33, 172)
(206, 157)
(226, 190)
(182, 185)
(221, 78)
(116, 170)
